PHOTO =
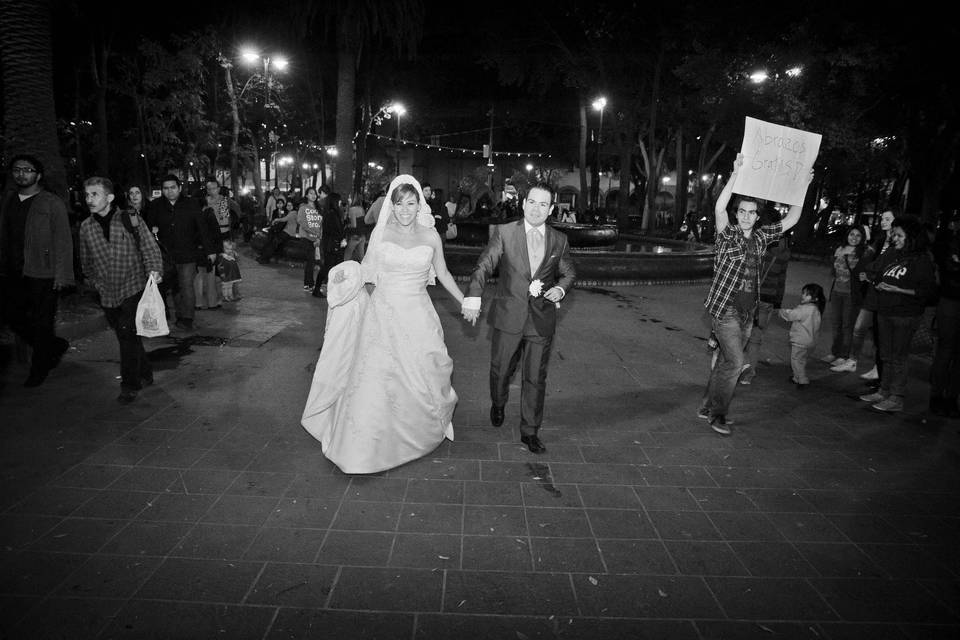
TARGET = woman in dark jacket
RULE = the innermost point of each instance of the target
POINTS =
(903, 288)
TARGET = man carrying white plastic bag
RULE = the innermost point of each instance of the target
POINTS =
(118, 253)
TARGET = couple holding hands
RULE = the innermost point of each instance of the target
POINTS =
(381, 394)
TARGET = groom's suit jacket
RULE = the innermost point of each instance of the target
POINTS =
(512, 303)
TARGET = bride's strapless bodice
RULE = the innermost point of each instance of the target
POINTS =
(403, 269)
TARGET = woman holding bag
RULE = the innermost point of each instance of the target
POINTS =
(118, 253)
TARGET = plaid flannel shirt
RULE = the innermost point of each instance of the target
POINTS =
(115, 268)
(731, 248)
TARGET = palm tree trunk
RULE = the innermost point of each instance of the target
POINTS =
(346, 86)
(234, 133)
(29, 109)
(582, 159)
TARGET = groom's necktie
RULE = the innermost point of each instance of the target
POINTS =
(535, 249)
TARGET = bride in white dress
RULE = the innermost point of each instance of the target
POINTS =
(381, 393)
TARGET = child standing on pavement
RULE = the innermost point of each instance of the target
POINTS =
(804, 329)
(229, 271)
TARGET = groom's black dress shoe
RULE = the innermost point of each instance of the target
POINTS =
(533, 443)
(496, 416)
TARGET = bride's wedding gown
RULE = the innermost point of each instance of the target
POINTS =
(381, 393)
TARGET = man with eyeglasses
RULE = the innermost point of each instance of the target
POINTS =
(735, 292)
(535, 274)
(36, 262)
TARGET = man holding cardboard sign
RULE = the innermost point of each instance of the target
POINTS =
(735, 290)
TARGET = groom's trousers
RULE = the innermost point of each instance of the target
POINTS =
(532, 351)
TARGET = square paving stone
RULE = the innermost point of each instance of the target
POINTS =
(609, 496)
(431, 518)
(839, 560)
(806, 527)
(619, 523)
(636, 596)
(327, 487)
(196, 438)
(285, 545)
(557, 523)
(36, 572)
(193, 481)
(428, 551)
(512, 593)
(677, 476)
(705, 558)
(431, 468)
(293, 585)
(744, 526)
(435, 491)
(388, 589)
(121, 454)
(233, 459)
(342, 625)
(683, 525)
(78, 535)
(173, 457)
(54, 501)
(724, 499)
(769, 559)
(537, 494)
(367, 516)
(858, 631)
(579, 555)
(153, 479)
(178, 507)
(376, 489)
(666, 498)
(472, 450)
(147, 538)
(907, 560)
(108, 577)
(150, 620)
(636, 556)
(880, 600)
(513, 471)
(496, 553)
(240, 509)
(67, 618)
(744, 477)
(21, 530)
(566, 473)
(673, 456)
(201, 580)
(301, 512)
(494, 521)
(216, 541)
(778, 500)
(366, 548)
(492, 493)
(116, 504)
(770, 599)
(736, 630)
(90, 476)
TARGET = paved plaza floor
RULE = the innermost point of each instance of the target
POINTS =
(204, 510)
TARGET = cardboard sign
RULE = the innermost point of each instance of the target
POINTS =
(776, 162)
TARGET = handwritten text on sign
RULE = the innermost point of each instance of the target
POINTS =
(776, 161)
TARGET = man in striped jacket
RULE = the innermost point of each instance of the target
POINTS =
(118, 253)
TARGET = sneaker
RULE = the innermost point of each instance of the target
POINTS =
(830, 358)
(876, 396)
(720, 425)
(308, 287)
(126, 397)
(746, 374)
(704, 413)
(844, 365)
(871, 375)
(890, 405)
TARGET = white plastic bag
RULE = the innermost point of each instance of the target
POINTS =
(151, 312)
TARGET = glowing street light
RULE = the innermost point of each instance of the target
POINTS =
(529, 167)
(758, 77)
(599, 104)
(400, 110)
(793, 72)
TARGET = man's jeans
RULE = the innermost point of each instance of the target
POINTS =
(945, 370)
(30, 308)
(134, 366)
(732, 329)
(896, 334)
(186, 298)
(752, 350)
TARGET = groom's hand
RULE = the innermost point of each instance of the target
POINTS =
(555, 294)
(470, 315)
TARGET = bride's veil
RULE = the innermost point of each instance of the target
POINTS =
(371, 259)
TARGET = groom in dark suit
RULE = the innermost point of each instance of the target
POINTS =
(535, 274)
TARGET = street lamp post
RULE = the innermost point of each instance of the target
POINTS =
(399, 110)
(276, 62)
(599, 105)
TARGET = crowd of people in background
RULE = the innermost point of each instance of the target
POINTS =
(883, 280)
